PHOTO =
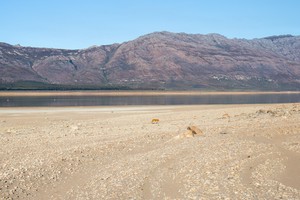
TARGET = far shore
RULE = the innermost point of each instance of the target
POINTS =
(135, 93)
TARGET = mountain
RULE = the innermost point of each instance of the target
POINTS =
(160, 60)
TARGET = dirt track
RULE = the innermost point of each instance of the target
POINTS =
(247, 152)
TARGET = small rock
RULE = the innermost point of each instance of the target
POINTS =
(155, 121)
(74, 128)
(191, 132)
(195, 130)
(226, 116)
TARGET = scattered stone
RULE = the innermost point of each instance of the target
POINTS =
(261, 111)
(226, 116)
(195, 130)
(74, 127)
(10, 131)
(134, 160)
(191, 132)
(155, 121)
(187, 133)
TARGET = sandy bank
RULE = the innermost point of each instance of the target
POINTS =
(247, 152)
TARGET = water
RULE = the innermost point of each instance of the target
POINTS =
(26, 101)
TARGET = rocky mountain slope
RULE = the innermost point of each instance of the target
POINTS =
(160, 60)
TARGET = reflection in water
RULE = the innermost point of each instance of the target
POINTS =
(148, 100)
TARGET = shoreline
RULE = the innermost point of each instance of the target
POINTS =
(130, 108)
(135, 93)
(116, 152)
(141, 107)
(123, 108)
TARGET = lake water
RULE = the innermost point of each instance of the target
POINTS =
(148, 100)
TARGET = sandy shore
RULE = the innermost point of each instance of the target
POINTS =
(246, 152)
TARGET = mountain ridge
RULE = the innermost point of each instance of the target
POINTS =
(160, 60)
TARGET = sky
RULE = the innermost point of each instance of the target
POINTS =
(76, 24)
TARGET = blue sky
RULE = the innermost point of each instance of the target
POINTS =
(81, 23)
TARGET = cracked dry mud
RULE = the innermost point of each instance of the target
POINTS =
(246, 152)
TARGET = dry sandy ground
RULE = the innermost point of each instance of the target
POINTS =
(247, 152)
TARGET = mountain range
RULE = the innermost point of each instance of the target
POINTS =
(160, 60)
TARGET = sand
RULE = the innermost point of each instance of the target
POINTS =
(243, 152)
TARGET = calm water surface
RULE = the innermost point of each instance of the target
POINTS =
(148, 100)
